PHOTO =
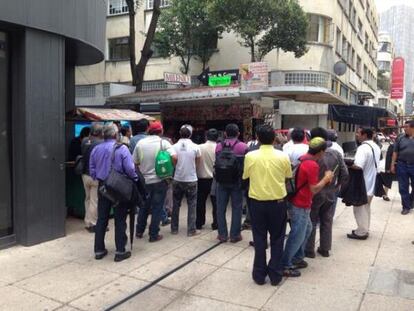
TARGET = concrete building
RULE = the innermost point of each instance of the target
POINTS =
(340, 31)
(41, 42)
(386, 55)
(398, 21)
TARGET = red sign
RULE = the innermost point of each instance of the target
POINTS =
(391, 122)
(397, 83)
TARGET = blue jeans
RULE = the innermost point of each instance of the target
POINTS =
(405, 175)
(224, 193)
(301, 228)
(155, 203)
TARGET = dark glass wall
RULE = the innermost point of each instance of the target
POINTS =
(6, 215)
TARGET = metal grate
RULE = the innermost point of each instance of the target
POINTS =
(308, 78)
(106, 90)
(85, 91)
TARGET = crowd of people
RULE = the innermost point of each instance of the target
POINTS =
(298, 184)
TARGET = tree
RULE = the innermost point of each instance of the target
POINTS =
(138, 70)
(264, 25)
(186, 31)
(383, 82)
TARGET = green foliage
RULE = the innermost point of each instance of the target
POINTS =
(186, 31)
(264, 25)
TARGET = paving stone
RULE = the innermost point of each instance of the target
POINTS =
(13, 298)
(154, 299)
(192, 248)
(188, 276)
(396, 257)
(392, 282)
(191, 303)
(67, 282)
(68, 308)
(295, 295)
(234, 287)
(242, 262)
(220, 255)
(386, 303)
(109, 294)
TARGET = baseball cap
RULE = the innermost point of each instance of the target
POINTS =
(316, 142)
(188, 127)
(155, 126)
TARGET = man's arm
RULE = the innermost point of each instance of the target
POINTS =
(128, 163)
(393, 162)
(92, 165)
(324, 181)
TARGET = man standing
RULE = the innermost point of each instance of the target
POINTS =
(144, 156)
(367, 159)
(90, 185)
(267, 170)
(141, 127)
(103, 157)
(323, 203)
(229, 167)
(307, 184)
(403, 164)
(298, 148)
(333, 137)
(186, 154)
(205, 174)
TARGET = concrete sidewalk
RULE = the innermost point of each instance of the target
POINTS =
(376, 274)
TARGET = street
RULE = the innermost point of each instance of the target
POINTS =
(376, 274)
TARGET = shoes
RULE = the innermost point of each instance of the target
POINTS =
(174, 232)
(214, 226)
(90, 229)
(386, 198)
(251, 243)
(300, 265)
(323, 253)
(166, 222)
(193, 233)
(199, 227)
(246, 226)
(156, 239)
(310, 254)
(101, 255)
(275, 282)
(222, 239)
(356, 237)
(236, 239)
(121, 257)
(405, 212)
(139, 235)
(259, 282)
(293, 273)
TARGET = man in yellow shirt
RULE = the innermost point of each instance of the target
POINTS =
(267, 170)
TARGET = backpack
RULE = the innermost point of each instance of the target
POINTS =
(227, 166)
(291, 183)
(79, 165)
(164, 167)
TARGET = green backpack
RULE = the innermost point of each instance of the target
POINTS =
(164, 167)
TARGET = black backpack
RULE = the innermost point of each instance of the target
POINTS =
(292, 187)
(227, 166)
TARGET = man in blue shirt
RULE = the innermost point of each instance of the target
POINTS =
(141, 128)
(99, 168)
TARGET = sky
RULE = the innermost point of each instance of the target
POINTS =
(383, 5)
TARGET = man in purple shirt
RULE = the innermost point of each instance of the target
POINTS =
(230, 189)
(99, 168)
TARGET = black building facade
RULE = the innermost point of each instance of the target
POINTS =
(41, 42)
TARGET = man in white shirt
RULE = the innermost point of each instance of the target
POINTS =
(144, 156)
(186, 154)
(298, 148)
(205, 174)
(367, 159)
(289, 143)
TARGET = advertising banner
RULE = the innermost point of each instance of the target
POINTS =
(397, 79)
(254, 77)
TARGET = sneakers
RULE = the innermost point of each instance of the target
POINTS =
(155, 239)
(300, 265)
(193, 233)
(121, 257)
(356, 237)
(236, 239)
(292, 273)
(101, 255)
(405, 211)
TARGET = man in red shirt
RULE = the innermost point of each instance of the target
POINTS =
(307, 184)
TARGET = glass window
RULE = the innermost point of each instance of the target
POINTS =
(116, 7)
(385, 47)
(358, 66)
(319, 28)
(344, 91)
(344, 49)
(164, 3)
(384, 65)
(6, 212)
(118, 49)
(338, 41)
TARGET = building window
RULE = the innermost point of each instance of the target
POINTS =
(344, 91)
(319, 29)
(85, 91)
(358, 66)
(338, 41)
(365, 73)
(385, 47)
(352, 60)
(353, 98)
(384, 65)
(383, 102)
(353, 17)
(164, 3)
(360, 30)
(118, 49)
(117, 7)
(344, 49)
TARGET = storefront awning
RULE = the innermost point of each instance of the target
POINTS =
(358, 115)
(105, 114)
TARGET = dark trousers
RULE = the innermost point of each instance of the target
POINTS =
(322, 213)
(268, 217)
(120, 215)
(203, 191)
(189, 190)
(155, 203)
(405, 175)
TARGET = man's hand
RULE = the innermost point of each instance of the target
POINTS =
(329, 176)
(392, 168)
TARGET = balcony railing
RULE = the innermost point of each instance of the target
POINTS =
(301, 78)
